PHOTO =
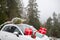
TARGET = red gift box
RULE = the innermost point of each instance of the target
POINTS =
(42, 30)
(28, 31)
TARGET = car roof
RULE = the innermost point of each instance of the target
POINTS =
(23, 26)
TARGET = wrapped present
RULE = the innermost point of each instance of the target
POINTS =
(28, 31)
(42, 30)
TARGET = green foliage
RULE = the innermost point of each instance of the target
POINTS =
(3, 16)
(12, 9)
(49, 26)
(33, 14)
(8, 10)
(35, 23)
(53, 30)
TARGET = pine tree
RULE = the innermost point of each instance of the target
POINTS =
(33, 14)
(54, 32)
(49, 26)
(13, 9)
(20, 7)
(9, 9)
(3, 16)
(56, 26)
(53, 26)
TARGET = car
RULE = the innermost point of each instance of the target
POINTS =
(16, 32)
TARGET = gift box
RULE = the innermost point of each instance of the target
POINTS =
(42, 30)
(28, 31)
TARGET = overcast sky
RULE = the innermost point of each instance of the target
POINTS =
(46, 8)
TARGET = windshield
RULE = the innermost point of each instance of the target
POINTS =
(23, 26)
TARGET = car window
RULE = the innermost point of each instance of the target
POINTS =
(12, 29)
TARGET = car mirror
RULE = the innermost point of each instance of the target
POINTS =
(16, 33)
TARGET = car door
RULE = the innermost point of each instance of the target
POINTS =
(8, 32)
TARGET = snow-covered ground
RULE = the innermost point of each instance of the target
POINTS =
(53, 38)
